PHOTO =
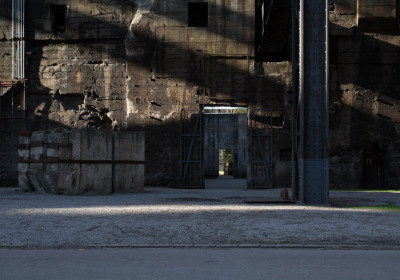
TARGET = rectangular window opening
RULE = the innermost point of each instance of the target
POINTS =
(59, 13)
(198, 14)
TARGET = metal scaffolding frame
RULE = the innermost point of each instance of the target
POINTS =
(13, 87)
(260, 169)
(191, 149)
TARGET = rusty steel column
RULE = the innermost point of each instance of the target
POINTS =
(311, 156)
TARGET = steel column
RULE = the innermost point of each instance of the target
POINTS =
(311, 173)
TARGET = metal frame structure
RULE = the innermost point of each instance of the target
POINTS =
(259, 173)
(310, 168)
(18, 39)
(191, 149)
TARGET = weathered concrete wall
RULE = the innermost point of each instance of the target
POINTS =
(132, 65)
(77, 78)
(5, 40)
(364, 93)
(225, 132)
(172, 66)
(83, 161)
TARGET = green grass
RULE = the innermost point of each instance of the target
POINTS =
(388, 207)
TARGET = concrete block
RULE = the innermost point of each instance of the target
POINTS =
(95, 178)
(129, 145)
(38, 148)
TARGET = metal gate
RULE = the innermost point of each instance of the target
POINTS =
(259, 173)
(191, 150)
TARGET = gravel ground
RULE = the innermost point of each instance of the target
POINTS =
(169, 217)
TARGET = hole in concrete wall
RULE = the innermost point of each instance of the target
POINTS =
(198, 14)
(59, 13)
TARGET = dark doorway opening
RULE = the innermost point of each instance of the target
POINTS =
(374, 168)
(225, 147)
(59, 13)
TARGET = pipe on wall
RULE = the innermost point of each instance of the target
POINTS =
(18, 39)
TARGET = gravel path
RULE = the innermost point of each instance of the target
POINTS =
(168, 217)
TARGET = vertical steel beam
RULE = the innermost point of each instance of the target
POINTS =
(295, 90)
(311, 173)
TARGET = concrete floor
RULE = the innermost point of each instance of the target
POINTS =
(188, 218)
(226, 183)
(199, 263)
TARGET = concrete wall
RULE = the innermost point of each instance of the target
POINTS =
(5, 37)
(364, 93)
(225, 132)
(133, 64)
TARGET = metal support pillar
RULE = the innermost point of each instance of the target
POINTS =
(311, 123)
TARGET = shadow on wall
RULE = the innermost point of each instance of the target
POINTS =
(153, 63)
(364, 109)
(364, 96)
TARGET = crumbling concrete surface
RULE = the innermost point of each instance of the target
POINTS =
(168, 217)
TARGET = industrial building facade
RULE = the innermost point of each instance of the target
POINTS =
(144, 64)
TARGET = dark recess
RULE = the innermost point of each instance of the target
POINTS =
(59, 12)
(198, 14)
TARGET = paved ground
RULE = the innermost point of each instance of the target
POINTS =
(184, 218)
(199, 263)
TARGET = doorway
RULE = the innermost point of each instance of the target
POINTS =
(225, 147)
(226, 143)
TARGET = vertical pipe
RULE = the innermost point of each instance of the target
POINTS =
(270, 151)
(16, 37)
(12, 40)
(24, 98)
(23, 35)
(12, 103)
(326, 121)
(23, 39)
(181, 151)
(17, 42)
(19, 38)
(295, 51)
(301, 98)
(200, 148)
